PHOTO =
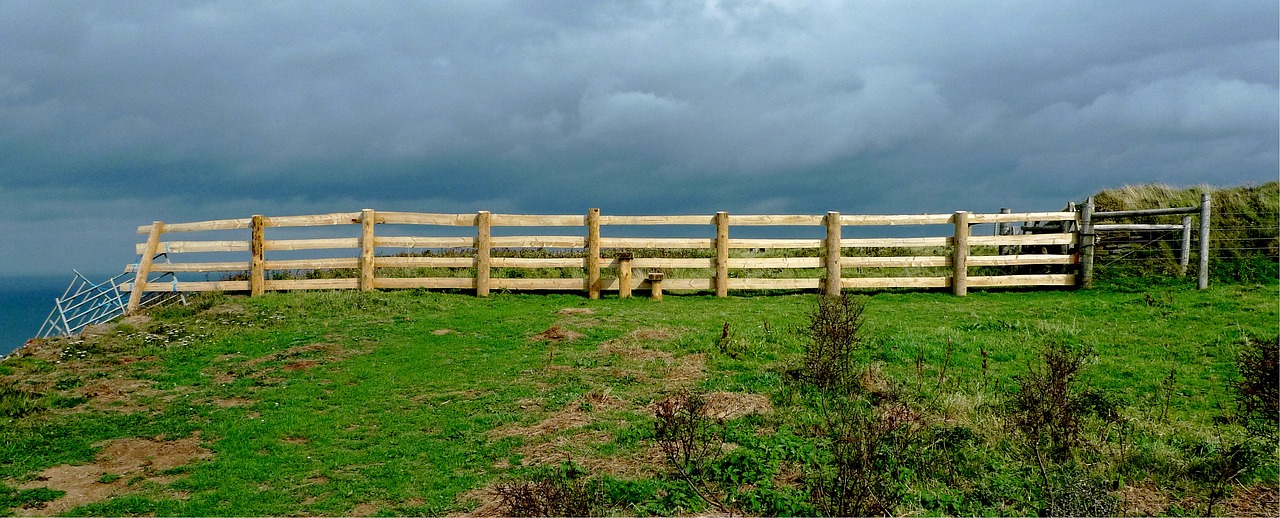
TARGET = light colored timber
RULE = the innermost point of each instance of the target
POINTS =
(960, 255)
(657, 220)
(144, 266)
(234, 266)
(535, 262)
(1136, 227)
(687, 284)
(313, 284)
(615, 284)
(258, 258)
(593, 254)
(624, 275)
(1145, 212)
(538, 284)
(655, 285)
(484, 251)
(905, 219)
(192, 286)
(425, 282)
(976, 219)
(367, 219)
(313, 264)
(1025, 239)
(520, 220)
(1020, 260)
(775, 284)
(178, 247)
(424, 262)
(774, 262)
(1023, 280)
(664, 262)
(895, 282)
(539, 242)
(775, 243)
(769, 220)
(312, 244)
(201, 226)
(895, 262)
(1202, 279)
(422, 218)
(722, 254)
(831, 255)
(655, 242)
(424, 242)
(315, 220)
(898, 242)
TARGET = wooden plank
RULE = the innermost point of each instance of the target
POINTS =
(775, 284)
(314, 220)
(655, 242)
(614, 284)
(367, 219)
(904, 219)
(538, 284)
(313, 264)
(313, 284)
(772, 262)
(257, 257)
(976, 219)
(532, 262)
(312, 244)
(539, 242)
(1145, 212)
(895, 282)
(193, 286)
(722, 254)
(687, 284)
(960, 255)
(1025, 239)
(148, 253)
(775, 243)
(657, 220)
(926, 261)
(1020, 260)
(665, 262)
(178, 247)
(896, 242)
(484, 250)
(235, 266)
(1023, 280)
(422, 218)
(423, 242)
(1136, 228)
(593, 254)
(831, 255)
(460, 283)
(770, 220)
(520, 220)
(423, 262)
(201, 226)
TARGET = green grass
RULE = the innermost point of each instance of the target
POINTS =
(402, 402)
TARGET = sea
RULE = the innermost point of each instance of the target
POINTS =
(25, 302)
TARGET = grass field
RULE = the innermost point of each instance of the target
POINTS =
(427, 403)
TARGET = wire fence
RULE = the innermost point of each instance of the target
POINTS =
(1240, 249)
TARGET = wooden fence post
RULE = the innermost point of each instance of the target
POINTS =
(832, 263)
(1184, 252)
(258, 260)
(144, 267)
(367, 218)
(655, 285)
(1087, 238)
(1203, 281)
(960, 257)
(483, 240)
(593, 254)
(1004, 228)
(624, 275)
(722, 254)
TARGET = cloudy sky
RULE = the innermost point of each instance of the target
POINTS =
(114, 114)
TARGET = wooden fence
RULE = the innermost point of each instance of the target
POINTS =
(824, 259)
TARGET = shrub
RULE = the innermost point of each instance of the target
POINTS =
(833, 337)
(564, 491)
(1257, 392)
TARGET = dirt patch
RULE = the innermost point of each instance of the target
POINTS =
(487, 501)
(121, 460)
(576, 311)
(1255, 500)
(300, 365)
(558, 422)
(233, 402)
(556, 334)
(117, 393)
(442, 332)
(364, 509)
(732, 405)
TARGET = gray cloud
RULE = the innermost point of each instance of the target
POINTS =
(124, 112)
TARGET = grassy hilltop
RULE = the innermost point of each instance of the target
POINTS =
(416, 402)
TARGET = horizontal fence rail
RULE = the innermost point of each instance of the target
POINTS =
(595, 263)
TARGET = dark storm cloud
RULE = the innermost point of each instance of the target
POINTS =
(123, 112)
